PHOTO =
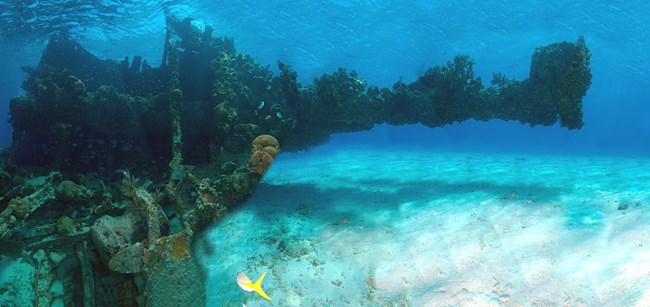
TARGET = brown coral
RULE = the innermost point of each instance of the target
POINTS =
(180, 246)
(271, 151)
(69, 192)
(266, 140)
(265, 148)
(17, 207)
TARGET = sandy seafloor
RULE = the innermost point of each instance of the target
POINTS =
(419, 228)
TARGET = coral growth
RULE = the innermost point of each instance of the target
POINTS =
(266, 141)
(74, 86)
(71, 193)
(64, 225)
(180, 246)
(17, 207)
(265, 148)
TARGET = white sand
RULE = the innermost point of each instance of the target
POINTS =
(368, 228)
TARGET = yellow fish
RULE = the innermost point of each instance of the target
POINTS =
(247, 285)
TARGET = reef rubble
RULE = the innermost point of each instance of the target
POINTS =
(115, 167)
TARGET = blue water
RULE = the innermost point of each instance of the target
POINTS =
(502, 207)
(384, 41)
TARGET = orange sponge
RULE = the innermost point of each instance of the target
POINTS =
(265, 148)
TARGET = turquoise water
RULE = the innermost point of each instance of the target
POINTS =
(427, 228)
(471, 214)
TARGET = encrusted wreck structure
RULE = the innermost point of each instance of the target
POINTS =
(115, 167)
